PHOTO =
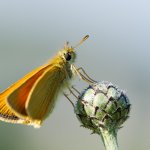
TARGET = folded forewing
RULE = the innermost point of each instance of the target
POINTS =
(44, 92)
(14, 98)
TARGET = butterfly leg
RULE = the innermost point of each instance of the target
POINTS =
(66, 95)
(83, 75)
(72, 91)
(75, 90)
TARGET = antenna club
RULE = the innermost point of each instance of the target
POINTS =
(82, 40)
(86, 37)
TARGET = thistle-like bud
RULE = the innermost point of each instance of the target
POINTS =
(103, 108)
(102, 105)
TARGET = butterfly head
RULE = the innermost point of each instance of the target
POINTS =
(68, 53)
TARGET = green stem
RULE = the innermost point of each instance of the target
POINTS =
(109, 139)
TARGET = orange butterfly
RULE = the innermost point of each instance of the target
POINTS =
(31, 99)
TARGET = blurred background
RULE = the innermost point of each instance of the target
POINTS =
(118, 50)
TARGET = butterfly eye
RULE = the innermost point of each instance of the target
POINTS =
(68, 56)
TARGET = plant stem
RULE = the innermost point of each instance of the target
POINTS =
(109, 139)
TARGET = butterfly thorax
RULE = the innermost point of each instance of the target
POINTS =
(64, 60)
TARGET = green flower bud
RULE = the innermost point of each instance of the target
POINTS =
(102, 106)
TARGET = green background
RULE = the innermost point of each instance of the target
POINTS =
(118, 50)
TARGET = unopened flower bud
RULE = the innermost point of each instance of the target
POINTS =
(102, 106)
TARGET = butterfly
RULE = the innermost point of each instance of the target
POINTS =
(30, 100)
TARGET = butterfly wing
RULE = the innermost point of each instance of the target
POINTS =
(42, 97)
(18, 92)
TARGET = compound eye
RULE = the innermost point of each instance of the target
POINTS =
(68, 56)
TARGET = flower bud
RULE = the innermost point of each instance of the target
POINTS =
(102, 105)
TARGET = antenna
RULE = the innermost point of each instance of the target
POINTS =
(82, 40)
